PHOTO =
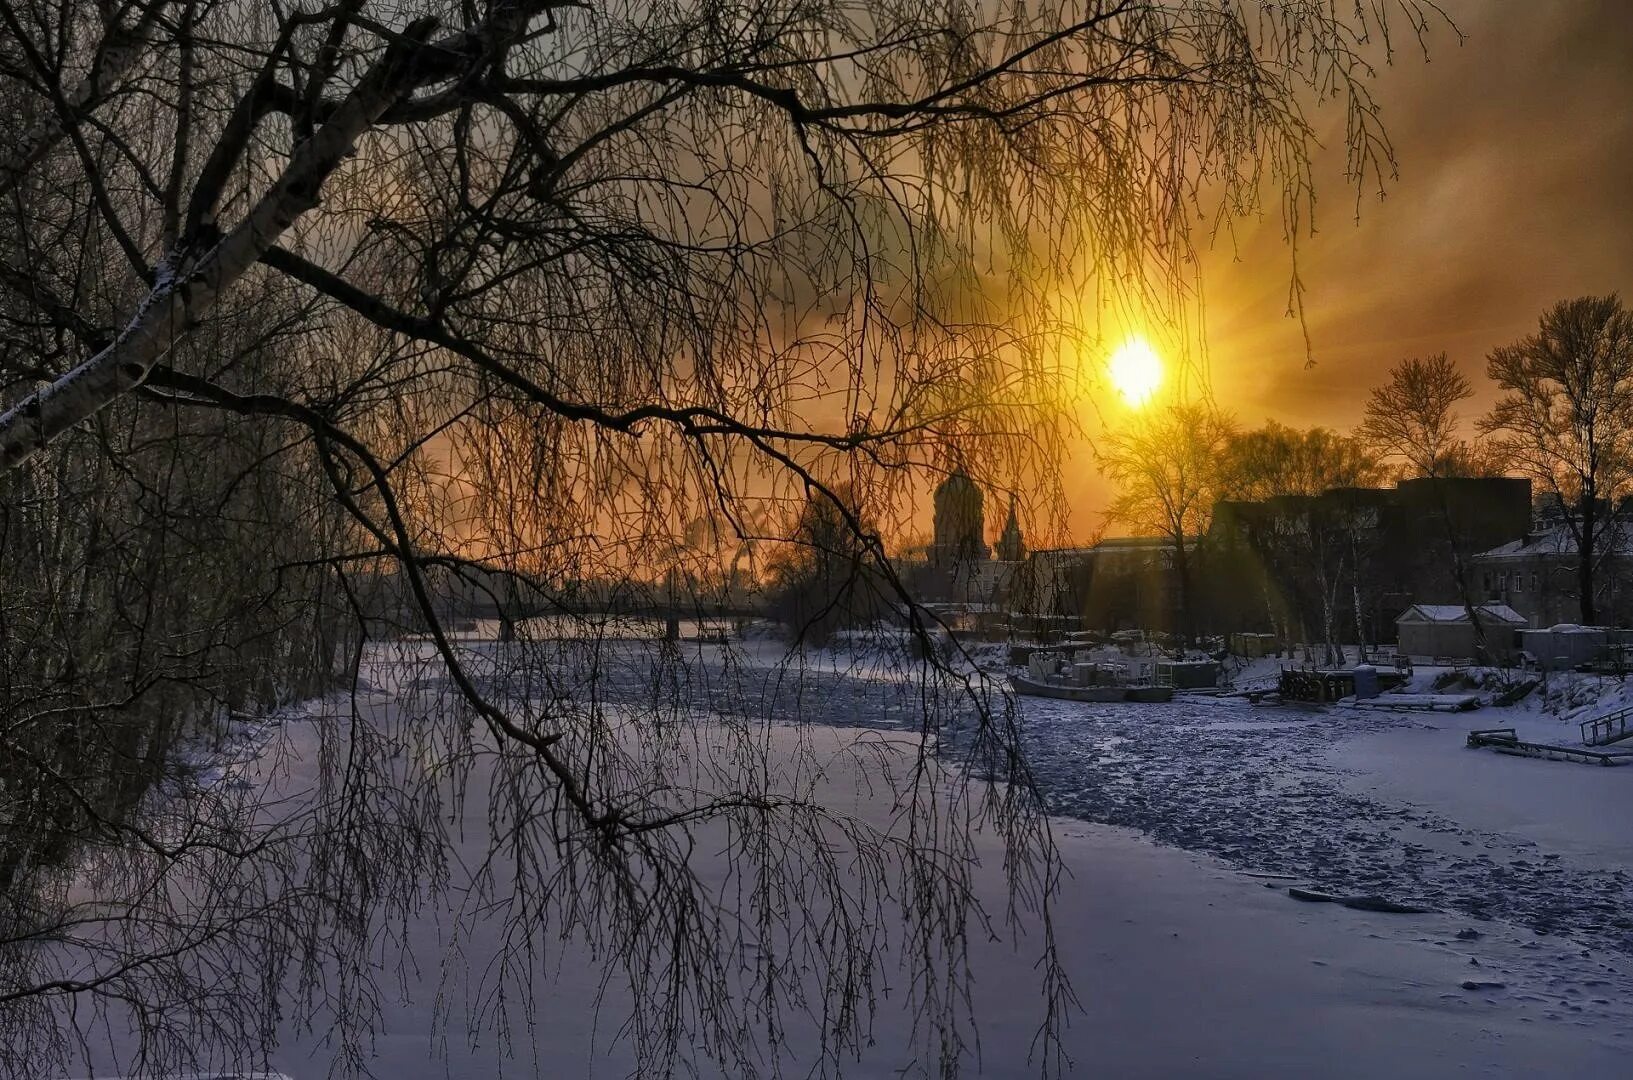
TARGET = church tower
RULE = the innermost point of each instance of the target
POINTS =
(960, 527)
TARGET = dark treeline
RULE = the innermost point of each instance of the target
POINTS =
(141, 607)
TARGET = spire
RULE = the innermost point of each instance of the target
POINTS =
(1011, 546)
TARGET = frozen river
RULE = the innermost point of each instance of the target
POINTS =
(1351, 801)
(1356, 802)
(1188, 965)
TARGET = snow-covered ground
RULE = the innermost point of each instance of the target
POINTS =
(1181, 827)
(1185, 968)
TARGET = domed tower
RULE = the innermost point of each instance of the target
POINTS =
(960, 522)
(1011, 546)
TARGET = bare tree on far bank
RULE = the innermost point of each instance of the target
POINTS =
(822, 579)
(1167, 465)
(523, 288)
(1566, 420)
(1278, 460)
(1412, 419)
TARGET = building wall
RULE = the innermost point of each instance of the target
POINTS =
(1455, 639)
(1348, 561)
(1543, 587)
(1435, 639)
(1483, 512)
(1123, 583)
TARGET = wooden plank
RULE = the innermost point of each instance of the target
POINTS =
(1421, 702)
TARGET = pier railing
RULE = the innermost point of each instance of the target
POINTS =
(1610, 728)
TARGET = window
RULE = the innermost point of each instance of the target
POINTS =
(1519, 581)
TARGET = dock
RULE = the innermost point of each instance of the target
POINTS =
(1324, 686)
(1506, 741)
(1421, 702)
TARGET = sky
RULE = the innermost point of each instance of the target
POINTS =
(1515, 153)
(1515, 190)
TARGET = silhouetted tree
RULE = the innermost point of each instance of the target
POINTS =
(1566, 418)
(1279, 460)
(823, 579)
(1166, 465)
(1471, 459)
(1412, 418)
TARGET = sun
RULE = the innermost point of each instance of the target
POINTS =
(1136, 371)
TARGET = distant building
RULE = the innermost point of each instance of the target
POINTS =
(957, 566)
(1011, 545)
(1121, 583)
(1536, 575)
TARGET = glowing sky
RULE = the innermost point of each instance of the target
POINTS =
(1515, 190)
(1515, 153)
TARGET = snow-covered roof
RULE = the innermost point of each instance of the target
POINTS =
(1557, 540)
(1457, 613)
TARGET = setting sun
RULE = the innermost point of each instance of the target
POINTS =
(1136, 371)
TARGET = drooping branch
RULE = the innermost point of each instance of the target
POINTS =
(178, 301)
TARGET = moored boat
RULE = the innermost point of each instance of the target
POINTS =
(1065, 692)
(1035, 688)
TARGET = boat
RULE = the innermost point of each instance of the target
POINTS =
(1036, 688)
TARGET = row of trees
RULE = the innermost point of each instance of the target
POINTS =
(1174, 466)
(1563, 418)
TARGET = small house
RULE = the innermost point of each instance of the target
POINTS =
(1445, 630)
(1254, 645)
